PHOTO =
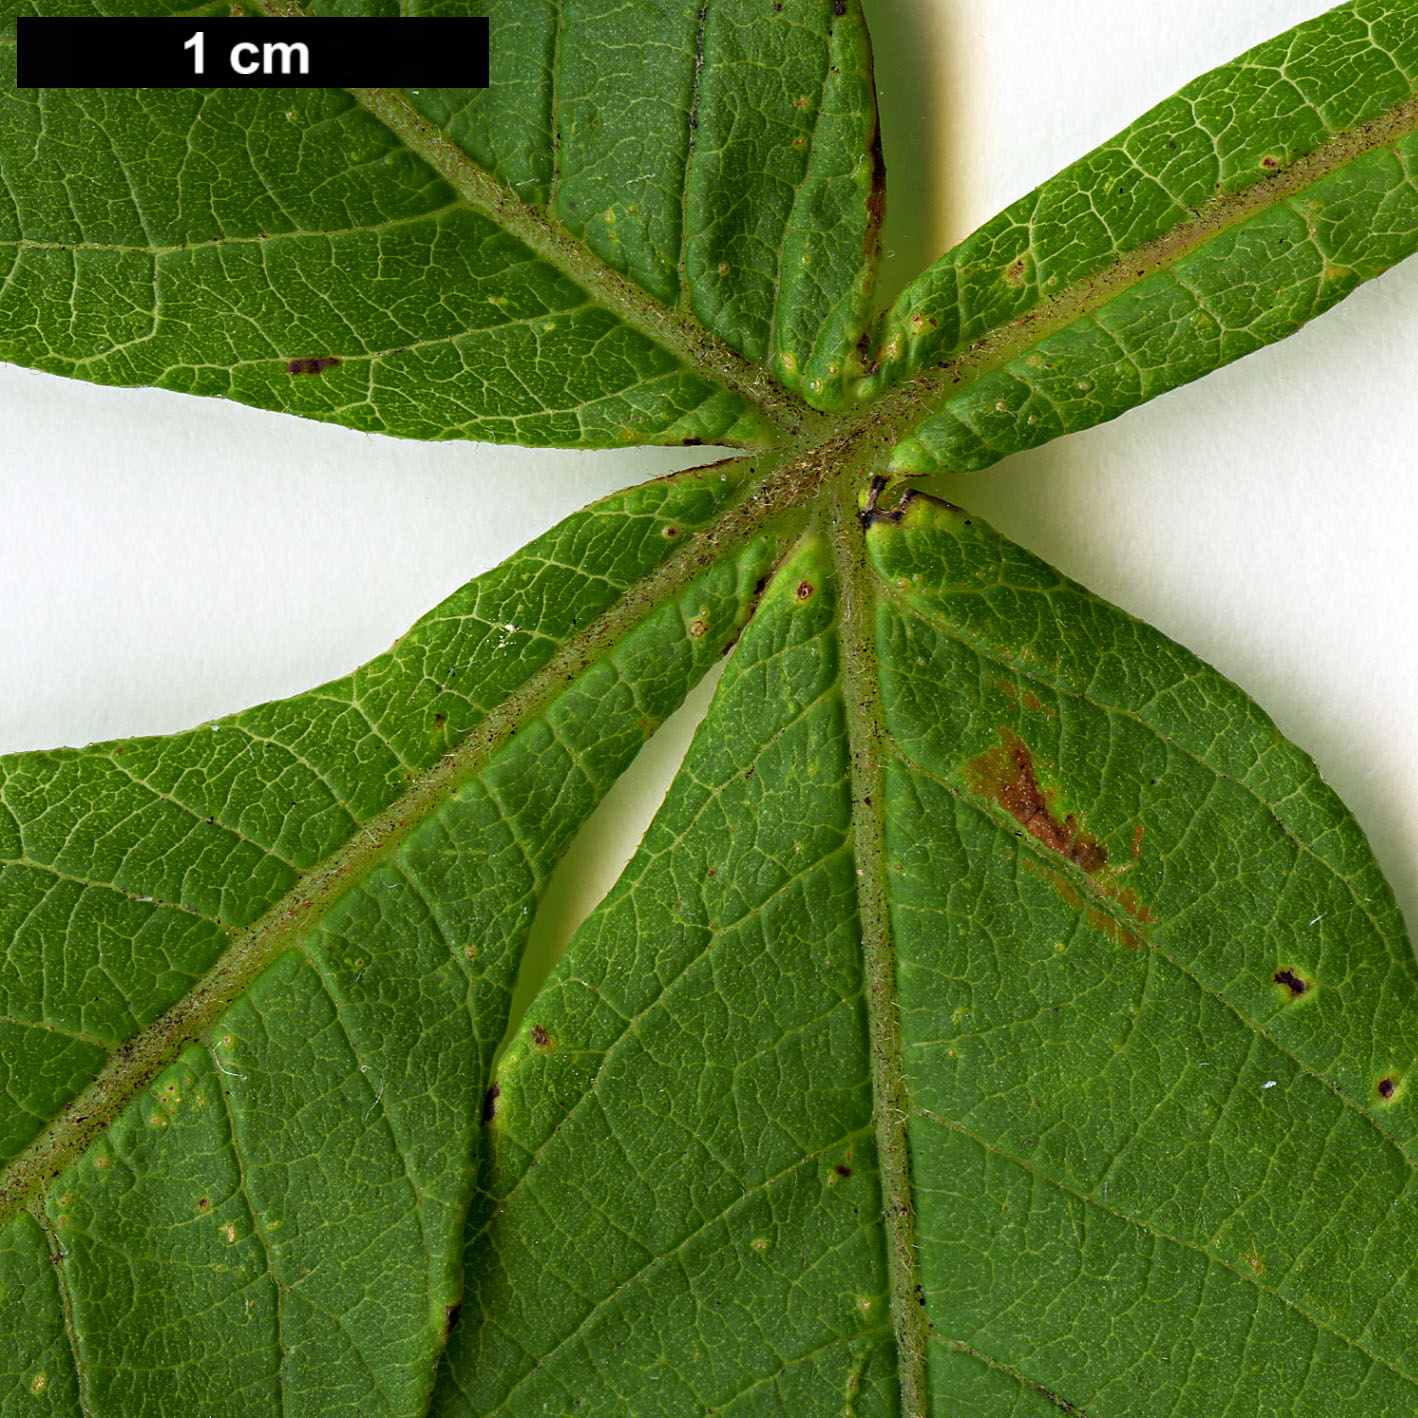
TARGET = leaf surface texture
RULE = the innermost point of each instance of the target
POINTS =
(999, 1015)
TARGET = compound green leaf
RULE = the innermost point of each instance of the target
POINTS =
(274, 956)
(999, 1016)
(1221, 221)
(443, 265)
(1148, 1009)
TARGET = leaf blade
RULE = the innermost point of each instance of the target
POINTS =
(1086, 1042)
(1222, 220)
(325, 269)
(589, 1087)
(1178, 1116)
(345, 1037)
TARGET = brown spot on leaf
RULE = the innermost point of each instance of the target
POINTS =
(540, 1037)
(312, 366)
(450, 1317)
(1128, 899)
(490, 1103)
(439, 720)
(1014, 272)
(1101, 883)
(1387, 1087)
(670, 533)
(1005, 687)
(805, 590)
(1072, 897)
(1116, 932)
(843, 1170)
(1034, 704)
(871, 514)
(697, 628)
(1296, 984)
(1254, 1261)
(1006, 774)
(1135, 846)
(1270, 163)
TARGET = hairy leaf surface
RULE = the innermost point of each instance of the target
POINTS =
(1150, 989)
(323, 902)
(999, 1015)
(451, 299)
(1118, 279)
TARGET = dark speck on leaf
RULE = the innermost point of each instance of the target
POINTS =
(843, 1170)
(450, 1317)
(1296, 984)
(1387, 1088)
(871, 513)
(490, 1103)
(539, 1036)
(312, 366)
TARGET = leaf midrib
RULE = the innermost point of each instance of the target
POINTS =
(675, 331)
(284, 925)
(857, 588)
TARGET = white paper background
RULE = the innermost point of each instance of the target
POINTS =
(164, 560)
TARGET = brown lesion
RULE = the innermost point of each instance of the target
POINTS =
(313, 366)
(1095, 916)
(1293, 981)
(1035, 705)
(1007, 775)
